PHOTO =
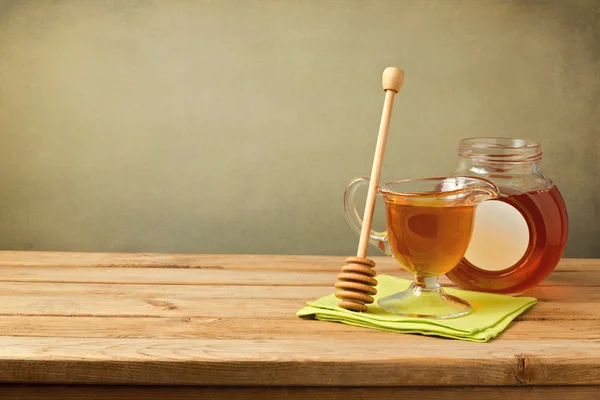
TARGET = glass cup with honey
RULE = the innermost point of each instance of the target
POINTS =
(429, 222)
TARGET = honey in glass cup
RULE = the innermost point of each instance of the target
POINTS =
(429, 222)
(428, 240)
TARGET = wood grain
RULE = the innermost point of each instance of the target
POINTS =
(242, 302)
(219, 261)
(63, 392)
(258, 329)
(117, 290)
(215, 276)
(298, 362)
(160, 319)
(224, 307)
(172, 276)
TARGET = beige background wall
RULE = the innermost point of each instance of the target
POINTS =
(234, 126)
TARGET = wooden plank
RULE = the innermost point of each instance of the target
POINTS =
(327, 362)
(197, 292)
(201, 261)
(218, 261)
(232, 307)
(61, 392)
(179, 276)
(151, 307)
(187, 307)
(230, 320)
(542, 293)
(259, 329)
(165, 276)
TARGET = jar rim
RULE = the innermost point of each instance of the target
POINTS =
(499, 142)
(500, 149)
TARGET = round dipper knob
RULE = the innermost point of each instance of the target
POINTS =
(392, 79)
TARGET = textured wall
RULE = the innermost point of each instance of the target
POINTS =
(234, 126)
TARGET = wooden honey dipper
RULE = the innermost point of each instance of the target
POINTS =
(356, 283)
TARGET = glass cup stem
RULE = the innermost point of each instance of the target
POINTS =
(425, 298)
(429, 284)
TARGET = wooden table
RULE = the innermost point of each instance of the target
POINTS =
(95, 325)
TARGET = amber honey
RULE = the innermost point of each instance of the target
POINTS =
(546, 217)
(429, 240)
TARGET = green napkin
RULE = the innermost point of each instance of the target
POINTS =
(491, 314)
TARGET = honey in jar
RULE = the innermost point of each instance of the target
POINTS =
(519, 238)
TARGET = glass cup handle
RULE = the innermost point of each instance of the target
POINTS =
(377, 239)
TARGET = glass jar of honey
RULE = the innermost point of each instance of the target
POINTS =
(519, 238)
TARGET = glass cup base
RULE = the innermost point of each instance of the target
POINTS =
(427, 300)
